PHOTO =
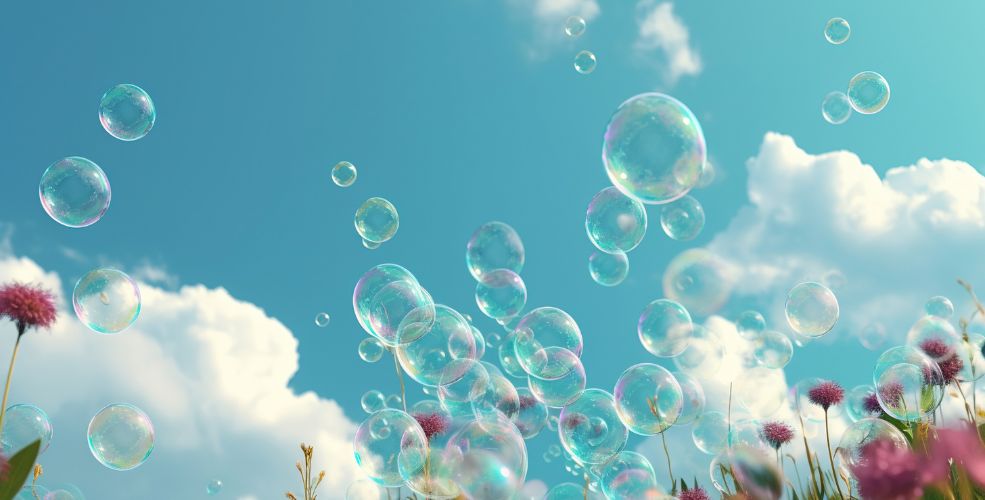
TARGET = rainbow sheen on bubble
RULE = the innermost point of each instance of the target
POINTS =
(628, 475)
(543, 328)
(910, 392)
(500, 294)
(705, 352)
(693, 398)
(856, 406)
(387, 441)
(377, 220)
(590, 428)
(682, 219)
(648, 399)
(615, 223)
(608, 269)
(585, 62)
(106, 300)
(494, 245)
(488, 458)
(700, 280)
(664, 328)
(75, 192)
(121, 436)
(127, 112)
(836, 108)
(449, 338)
(23, 424)
(868, 92)
(562, 378)
(811, 309)
(344, 174)
(372, 401)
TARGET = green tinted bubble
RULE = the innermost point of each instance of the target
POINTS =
(377, 220)
(868, 92)
(608, 269)
(127, 112)
(585, 62)
(344, 174)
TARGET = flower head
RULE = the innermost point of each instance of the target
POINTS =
(28, 306)
(776, 434)
(947, 360)
(870, 403)
(527, 402)
(433, 424)
(693, 494)
(888, 472)
(891, 392)
(826, 394)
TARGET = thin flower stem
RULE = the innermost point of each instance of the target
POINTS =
(810, 461)
(400, 377)
(10, 374)
(670, 470)
(831, 457)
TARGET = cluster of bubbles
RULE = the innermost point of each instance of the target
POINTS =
(585, 61)
(868, 91)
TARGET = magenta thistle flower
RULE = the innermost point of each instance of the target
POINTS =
(28, 306)
(776, 434)
(949, 362)
(887, 472)
(891, 392)
(527, 402)
(693, 494)
(964, 448)
(935, 348)
(870, 403)
(826, 394)
(433, 424)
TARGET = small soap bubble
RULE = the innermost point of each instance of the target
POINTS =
(322, 319)
(370, 350)
(585, 62)
(23, 425)
(872, 336)
(682, 219)
(750, 325)
(939, 306)
(127, 112)
(75, 192)
(665, 328)
(615, 222)
(372, 401)
(344, 174)
(574, 26)
(369, 245)
(501, 294)
(494, 245)
(214, 487)
(121, 436)
(106, 300)
(394, 401)
(868, 92)
(836, 108)
(377, 220)
(773, 349)
(837, 31)
(608, 269)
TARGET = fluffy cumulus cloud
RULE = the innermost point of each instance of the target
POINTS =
(211, 371)
(665, 35)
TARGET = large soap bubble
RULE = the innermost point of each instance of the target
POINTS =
(121, 436)
(648, 399)
(449, 338)
(24, 424)
(127, 112)
(910, 392)
(861, 433)
(590, 428)
(75, 192)
(615, 222)
(106, 300)
(488, 458)
(654, 149)
(608, 269)
(682, 219)
(811, 309)
(500, 294)
(377, 220)
(868, 92)
(710, 432)
(561, 380)
(665, 328)
(385, 440)
(494, 245)
(629, 476)
(542, 328)
(773, 349)
(700, 280)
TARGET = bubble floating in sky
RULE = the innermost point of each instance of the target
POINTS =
(370, 350)
(449, 338)
(401, 312)
(608, 269)
(811, 309)
(935, 336)
(868, 92)
(494, 245)
(574, 26)
(500, 294)
(585, 62)
(562, 378)
(500, 398)
(648, 399)
(939, 306)
(532, 416)
(322, 319)
(121, 436)
(859, 403)
(106, 300)
(344, 174)
(837, 31)
(683, 218)
(708, 175)
(664, 328)
(488, 458)
(693, 398)
(836, 108)
(710, 432)
(387, 441)
(541, 329)
(773, 349)
(872, 336)
(75, 192)
(590, 428)
(653, 148)
(910, 392)
(127, 112)
(372, 401)
(24, 424)
(750, 325)
(615, 222)
(377, 220)
(629, 475)
(214, 487)
(369, 245)
(700, 280)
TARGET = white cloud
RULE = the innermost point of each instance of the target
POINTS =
(559, 10)
(548, 18)
(212, 373)
(661, 30)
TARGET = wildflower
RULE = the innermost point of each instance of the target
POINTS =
(950, 364)
(527, 402)
(433, 424)
(693, 494)
(776, 434)
(964, 447)
(891, 392)
(870, 403)
(826, 394)
(886, 472)
(27, 306)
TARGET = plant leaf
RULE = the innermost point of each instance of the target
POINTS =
(20, 468)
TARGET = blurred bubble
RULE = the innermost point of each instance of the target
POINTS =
(627, 476)
(710, 432)
(837, 30)
(811, 309)
(75, 192)
(608, 269)
(488, 458)
(59, 494)
(773, 349)
(214, 487)
(106, 300)
(377, 220)
(693, 398)
(750, 325)
(32, 492)
(494, 339)
(653, 148)
(449, 338)
(24, 424)
(834, 279)
(590, 429)
(615, 223)
(861, 433)
(868, 92)
(372, 401)
(500, 399)
(873, 336)
(708, 175)
(500, 294)
(756, 472)
(683, 218)
(532, 416)
(540, 329)
(480, 341)
(344, 174)
(745, 433)
(910, 392)
(665, 328)
(401, 312)
(574, 26)
(700, 280)
(704, 354)
(934, 336)
(563, 378)
(836, 108)
(494, 245)
(386, 442)
(127, 112)
(585, 62)
(364, 489)
(369, 245)
(761, 391)
(121, 436)
(370, 350)
(720, 470)
(648, 399)
(858, 403)
(939, 306)
(394, 401)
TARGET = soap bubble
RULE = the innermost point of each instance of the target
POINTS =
(377, 220)
(488, 458)
(344, 174)
(710, 432)
(861, 433)
(836, 108)
(704, 353)
(465, 380)
(563, 378)
(450, 337)
(756, 472)
(720, 470)
(542, 328)
(401, 312)
(322, 319)
(480, 341)
(628, 476)
(369, 245)
(837, 30)
(370, 285)
(394, 401)
(773, 349)
(856, 403)
(370, 350)
(364, 489)
(127, 112)
(585, 62)
(574, 26)
(708, 174)
(121, 436)
(568, 491)
(372, 401)
(23, 425)
(654, 149)
(590, 429)
(507, 357)
(811, 309)
(615, 222)
(909, 392)
(214, 487)
(939, 306)
(431, 477)
(532, 416)
(386, 442)
(693, 398)
(683, 218)
(75, 192)
(900, 354)
(665, 328)
(500, 399)
(500, 294)
(750, 325)
(934, 336)
(699, 280)
(608, 269)
(868, 92)
(494, 245)
(648, 399)
(873, 336)
(745, 433)
(106, 300)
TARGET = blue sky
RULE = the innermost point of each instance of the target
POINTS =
(461, 112)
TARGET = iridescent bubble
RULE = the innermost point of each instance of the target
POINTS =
(773, 349)
(500, 294)
(563, 381)
(590, 429)
(532, 416)
(574, 26)
(750, 325)
(24, 424)
(368, 288)
(462, 383)
(344, 174)
(704, 354)
(693, 398)
(861, 433)
(868, 92)
(699, 280)
(899, 354)
(665, 328)
(121, 436)
(615, 223)
(214, 487)
(377, 220)
(394, 401)
(910, 392)
(628, 476)
(682, 219)
(542, 328)
(721, 472)
(433, 477)
(106, 300)
(756, 472)
(934, 336)
(608, 269)
(585, 62)
(488, 458)
(322, 319)
(127, 112)
(500, 399)
(858, 403)
(494, 245)
(401, 312)
(837, 30)
(386, 441)
(648, 399)
(507, 357)
(745, 433)
(480, 340)
(811, 309)
(364, 489)
(836, 108)
(939, 306)
(450, 337)
(75, 192)
(873, 336)
(372, 401)
(654, 149)
(370, 350)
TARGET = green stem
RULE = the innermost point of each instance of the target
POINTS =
(831, 457)
(667, 453)
(810, 461)
(10, 374)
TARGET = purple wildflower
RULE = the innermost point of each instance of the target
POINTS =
(693, 494)
(776, 434)
(887, 472)
(870, 403)
(826, 394)
(28, 306)
(433, 424)
(947, 360)
(891, 392)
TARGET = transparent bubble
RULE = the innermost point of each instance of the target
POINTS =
(488, 458)
(934, 336)
(401, 312)
(693, 398)
(710, 432)
(542, 328)
(861, 433)
(394, 401)
(802, 403)
(386, 441)
(507, 357)
(462, 383)
(761, 391)
(370, 350)
(377, 220)
(811, 309)
(868, 92)
(615, 222)
(344, 174)
(569, 491)
(364, 489)
(585, 62)
(608, 269)
(369, 245)
(745, 433)
(564, 378)
(500, 294)
(494, 245)
(858, 403)
(24, 424)
(665, 328)
(773, 349)
(433, 477)
(532, 417)
(699, 280)
(372, 401)
(750, 325)
(322, 319)
(121, 436)
(756, 472)
(500, 399)
(574, 26)
(653, 149)
(910, 392)
(648, 399)
(214, 487)
(480, 341)
(627, 476)
(873, 336)
(704, 354)
(837, 31)
(127, 112)
(449, 338)
(494, 339)
(590, 429)
(682, 219)
(75, 192)
(708, 175)
(899, 354)
(721, 472)
(106, 300)
(939, 306)
(369, 286)
(836, 108)
(552, 424)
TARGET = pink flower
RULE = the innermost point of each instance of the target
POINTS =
(892, 393)
(28, 306)
(886, 472)
(527, 402)
(776, 434)
(693, 494)
(826, 394)
(950, 365)
(870, 403)
(963, 446)
(433, 424)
